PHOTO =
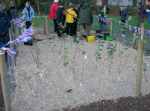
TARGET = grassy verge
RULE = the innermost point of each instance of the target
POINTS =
(38, 21)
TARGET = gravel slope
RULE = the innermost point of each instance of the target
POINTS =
(44, 83)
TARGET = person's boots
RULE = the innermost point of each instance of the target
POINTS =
(30, 42)
(58, 34)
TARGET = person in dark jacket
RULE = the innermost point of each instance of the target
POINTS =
(147, 11)
(124, 14)
(85, 17)
(76, 20)
(4, 26)
(12, 11)
(60, 19)
(141, 12)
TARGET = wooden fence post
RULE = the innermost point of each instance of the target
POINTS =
(45, 25)
(140, 63)
(4, 82)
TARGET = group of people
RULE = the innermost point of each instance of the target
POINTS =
(7, 15)
(66, 19)
(143, 12)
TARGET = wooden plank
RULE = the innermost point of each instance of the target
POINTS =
(46, 26)
(1, 96)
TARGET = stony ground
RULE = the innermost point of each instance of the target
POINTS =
(56, 73)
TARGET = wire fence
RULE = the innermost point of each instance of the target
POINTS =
(121, 52)
(10, 58)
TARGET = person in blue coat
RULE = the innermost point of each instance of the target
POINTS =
(28, 12)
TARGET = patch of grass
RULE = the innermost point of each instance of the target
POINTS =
(134, 21)
(95, 25)
(38, 21)
(147, 25)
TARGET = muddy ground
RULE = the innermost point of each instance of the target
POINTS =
(121, 104)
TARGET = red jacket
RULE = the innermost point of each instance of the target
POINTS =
(53, 11)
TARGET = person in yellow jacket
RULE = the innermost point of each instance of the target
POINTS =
(71, 17)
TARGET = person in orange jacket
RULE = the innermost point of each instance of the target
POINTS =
(53, 13)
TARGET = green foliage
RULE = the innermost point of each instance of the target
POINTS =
(147, 25)
(39, 22)
(19, 2)
(134, 21)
